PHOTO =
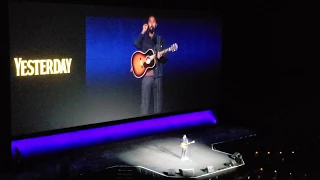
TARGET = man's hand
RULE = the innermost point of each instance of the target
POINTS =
(159, 55)
(144, 28)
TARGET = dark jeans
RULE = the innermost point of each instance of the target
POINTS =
(151, 85)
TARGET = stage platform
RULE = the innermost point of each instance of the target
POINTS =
(149, 157)
(160, 158)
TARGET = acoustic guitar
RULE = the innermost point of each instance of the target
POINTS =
(142, 61)
(184, 145)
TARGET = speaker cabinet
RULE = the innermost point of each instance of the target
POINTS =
(236, 155)
(209, 169)
(187, 172)
(233, 162)
(171, 172)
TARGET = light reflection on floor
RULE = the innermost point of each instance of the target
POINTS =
(163, 154)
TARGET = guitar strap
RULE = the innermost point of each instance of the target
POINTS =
(158, 44)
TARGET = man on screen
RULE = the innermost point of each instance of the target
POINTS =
(152, 80)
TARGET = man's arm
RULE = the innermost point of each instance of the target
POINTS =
(138, 42)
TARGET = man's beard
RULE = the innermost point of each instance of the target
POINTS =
(151, 29)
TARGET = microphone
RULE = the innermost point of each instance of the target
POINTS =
(151, 29)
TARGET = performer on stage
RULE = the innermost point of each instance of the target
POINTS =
(184, 146)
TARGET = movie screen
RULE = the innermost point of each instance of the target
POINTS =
(74, 65)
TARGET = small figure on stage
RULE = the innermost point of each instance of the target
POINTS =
(184, 145)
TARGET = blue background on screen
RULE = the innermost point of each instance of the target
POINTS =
(109, 46)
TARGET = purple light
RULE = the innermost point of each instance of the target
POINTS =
(69, 140)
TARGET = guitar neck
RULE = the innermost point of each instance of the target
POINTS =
(164, 51)
(161, 53)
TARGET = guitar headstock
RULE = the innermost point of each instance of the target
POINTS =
(173, 47)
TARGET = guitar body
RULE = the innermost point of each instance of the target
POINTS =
(184, 145)
(142, 61)
(140, 64)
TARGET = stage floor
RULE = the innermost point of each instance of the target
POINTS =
(160, 155)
